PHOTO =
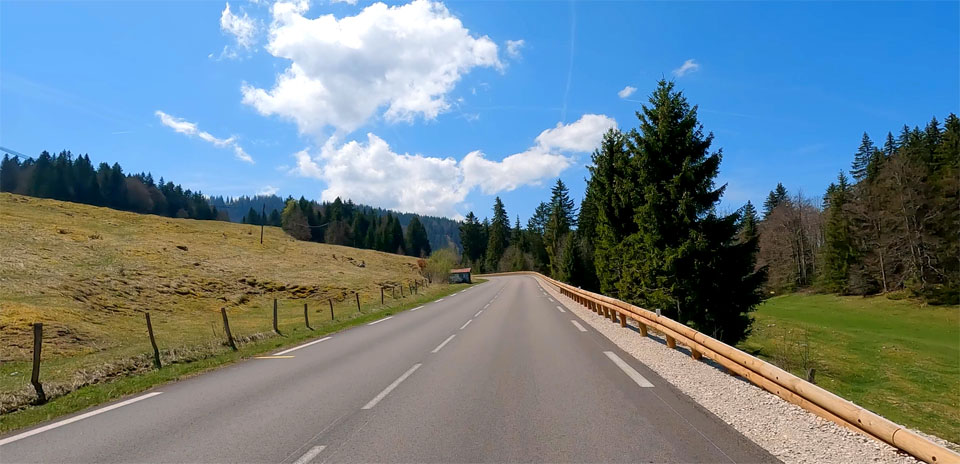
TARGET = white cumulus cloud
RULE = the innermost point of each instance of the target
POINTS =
(582, 135)
(370, 172)
(626, 92)
(191, 129)
(687, 67)
(342, 71)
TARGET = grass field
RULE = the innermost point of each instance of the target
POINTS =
(88, 274)
(894, 357)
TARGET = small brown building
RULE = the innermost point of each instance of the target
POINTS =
(460, 276)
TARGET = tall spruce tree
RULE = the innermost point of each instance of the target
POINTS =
(417, 242)
(498, 238)
(613, 181)
(839, 248)
(684, 258)
(777, 197)
(748, 222)
(471, 239)
(562, 218)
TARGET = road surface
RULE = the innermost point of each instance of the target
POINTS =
(499, 372)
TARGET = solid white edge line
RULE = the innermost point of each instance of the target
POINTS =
(71, 420)
(631, 372)
(551, 299)
(301, 346)
(561, 309)
(418, 307)
(578, 326)
(309, 455)
(464, 326)
(381, 320)
(441, 299)
(478, 313)
(386, 391)
(440, 346)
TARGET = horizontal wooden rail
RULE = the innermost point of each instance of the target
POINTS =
(763, 374)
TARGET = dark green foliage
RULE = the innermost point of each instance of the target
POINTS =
(776, 198)
(561, 219)
(66, 178)
(748, 222)
(839, 248)
(417, 243)
(498, 238)
(660, 243)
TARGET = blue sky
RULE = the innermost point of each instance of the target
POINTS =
(437, 107)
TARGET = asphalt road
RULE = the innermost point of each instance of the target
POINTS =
(496, 373)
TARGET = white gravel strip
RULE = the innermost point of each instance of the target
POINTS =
(787, 431)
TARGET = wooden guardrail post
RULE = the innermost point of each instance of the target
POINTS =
(275, 328)
(306, 316)
(623, 320)
(226, 328)
(671, 342)
(35, 376)
(695, 354)
(153, 341)
(643, 328)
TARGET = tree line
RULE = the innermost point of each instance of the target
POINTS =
(441, 231)
(647, 230)
(892, 225)
(345, 223)
(68, 178)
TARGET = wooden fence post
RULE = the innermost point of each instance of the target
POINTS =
(381, 296)
(35, 377)
(306, 316)
(330, 300)
(275, 328)
(811, 373)
(393, 291)
(153, 341)
(357, 294)
(226, 328)
(401, 291)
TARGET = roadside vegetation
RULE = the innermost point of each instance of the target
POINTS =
(898, 358)
(89, 273)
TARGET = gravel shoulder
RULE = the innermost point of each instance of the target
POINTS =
(787, 431)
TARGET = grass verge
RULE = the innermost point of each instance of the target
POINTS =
(92, 395)
(894, 357)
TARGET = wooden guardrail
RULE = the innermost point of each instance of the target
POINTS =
(761, 373)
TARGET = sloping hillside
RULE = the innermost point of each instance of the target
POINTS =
(88, 273)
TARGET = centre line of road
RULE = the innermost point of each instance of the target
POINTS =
(578, 326)
(561, 309)
(485, 306)
(309, 455)
(478, 313)
(381, 320)
(386, 391)
(301, 346)
(440, 346)
(71, 420)
(464, 326)
(418, 307)
(631, 372)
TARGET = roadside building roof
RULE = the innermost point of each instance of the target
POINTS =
(460, 271)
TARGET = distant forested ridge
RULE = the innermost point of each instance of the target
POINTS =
(68, 178)
(347, 223)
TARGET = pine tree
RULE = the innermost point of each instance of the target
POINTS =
(748, 222)
(862, 159)
(417, 242)
(562, 218)
(839, 252)
(613, 181)
(684, 258)
(474, 248)
(890, 146)
(776, 198)
(497, 241)
(9, 174)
